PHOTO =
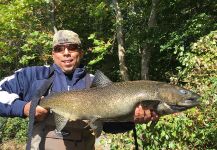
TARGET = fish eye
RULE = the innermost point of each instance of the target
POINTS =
(183, 91)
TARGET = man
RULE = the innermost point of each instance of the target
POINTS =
(17, 90)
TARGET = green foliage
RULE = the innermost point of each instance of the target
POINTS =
(201, 61)
(2, 123)
(195, 128)
(21, 42)
(35, 51)
(171, 132)
(13, 128)
(122, 141)
(181, 23)
(100, 49)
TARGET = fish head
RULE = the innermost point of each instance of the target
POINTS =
(177, 98)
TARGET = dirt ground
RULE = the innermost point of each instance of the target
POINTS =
(11, 145)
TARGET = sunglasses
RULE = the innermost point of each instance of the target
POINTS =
(70, 48)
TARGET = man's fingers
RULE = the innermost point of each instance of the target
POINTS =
(147, 115)
(144, 115)
(41, 113)
(26, 109)
(139, 113)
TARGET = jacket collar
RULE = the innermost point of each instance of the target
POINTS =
(78, 73)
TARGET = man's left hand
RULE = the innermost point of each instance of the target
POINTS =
(144, 115)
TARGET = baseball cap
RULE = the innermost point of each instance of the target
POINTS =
(66, 37)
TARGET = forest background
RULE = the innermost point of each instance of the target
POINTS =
(172, 41)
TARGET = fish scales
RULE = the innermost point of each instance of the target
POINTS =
(98, 101)
(113, 101)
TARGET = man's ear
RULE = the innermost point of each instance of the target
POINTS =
(81, 52)
(52, 53)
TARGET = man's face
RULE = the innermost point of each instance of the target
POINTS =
(67, 57)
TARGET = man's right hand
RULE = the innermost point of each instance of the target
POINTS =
(40, 113)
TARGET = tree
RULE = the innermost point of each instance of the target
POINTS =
(120, 40)
(146, 48)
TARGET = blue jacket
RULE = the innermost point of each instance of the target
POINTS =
(17, 90)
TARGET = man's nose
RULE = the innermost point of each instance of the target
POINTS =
(66, 51)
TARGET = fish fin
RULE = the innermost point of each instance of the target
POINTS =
(96, 127)
(100, 80)
(90, 122)
(60, 121)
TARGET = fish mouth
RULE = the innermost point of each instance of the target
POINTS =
(178, 108)
(186, 104)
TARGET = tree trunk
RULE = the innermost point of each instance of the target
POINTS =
(52, 11)
(121, 50)
(152, 22)
(145, 58)
(146, 49)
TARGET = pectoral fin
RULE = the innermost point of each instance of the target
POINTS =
(60, 121)
(96, 126)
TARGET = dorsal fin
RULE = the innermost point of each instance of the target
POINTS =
(100, 80)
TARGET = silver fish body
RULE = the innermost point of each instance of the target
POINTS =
(117, 101)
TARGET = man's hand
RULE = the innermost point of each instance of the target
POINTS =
(40, 113)
(144, 115)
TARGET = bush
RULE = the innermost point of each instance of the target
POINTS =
(194, 128)
(13, 128)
